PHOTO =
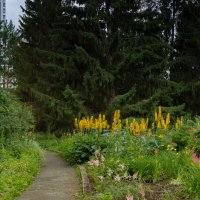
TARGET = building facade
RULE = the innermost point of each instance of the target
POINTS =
(5, 80)
(3, 10)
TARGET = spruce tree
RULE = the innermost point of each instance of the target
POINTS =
(9, 39)
(187, 66)
(90, 56)
(42, 66)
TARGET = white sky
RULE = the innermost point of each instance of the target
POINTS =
(13, 10)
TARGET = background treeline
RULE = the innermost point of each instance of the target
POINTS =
(99, 55)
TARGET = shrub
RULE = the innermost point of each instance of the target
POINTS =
(77, 150)
(197, 148)
(181, 137)
(16, 120)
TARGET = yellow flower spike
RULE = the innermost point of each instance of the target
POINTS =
(76, 123)
(147, 122)
(181, 119)
(168, 119)
(153, 126)
(100, 128)
(163, 122)
(158, 125)
(159, 112)
(160, 136)
(127, 123)
(177, 125)
(120, 126)
(165, 127)
(156, 116)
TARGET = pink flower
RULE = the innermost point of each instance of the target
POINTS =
(196, 159)
(135, 175)
(126, 176)
(97, 153)
(110, 172)
(129, 197)
(94, 163)
(117, 178)
(101, 178)
(102, 158)
(122, 167)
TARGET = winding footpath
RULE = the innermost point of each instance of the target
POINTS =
(56, 181)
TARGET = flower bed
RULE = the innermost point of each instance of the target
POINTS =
(135, 160)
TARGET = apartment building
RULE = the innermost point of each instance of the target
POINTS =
(5, 80)
(3, 10)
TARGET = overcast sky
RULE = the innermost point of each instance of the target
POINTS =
(13, 10)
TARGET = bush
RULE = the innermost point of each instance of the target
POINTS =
(16, 120)
(197, 148)
(181, 137)
(19, 155)
(77, 150)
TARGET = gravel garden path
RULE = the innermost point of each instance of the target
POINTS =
(56, 181)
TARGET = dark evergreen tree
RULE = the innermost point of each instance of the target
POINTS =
(145, 63)
(90, 55)
(187, 66)
(42, 65)
(9, 39)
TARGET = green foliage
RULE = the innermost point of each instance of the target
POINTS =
(16, 120)
(111, 58)
(77, 150)
(197, 148)
(19, 155)
(99, 83)
(126, 163)
(107, 196)
(9, 39)
(119, 102)
(181, 137)
(190, 181)
(50, 144)
(17, 172)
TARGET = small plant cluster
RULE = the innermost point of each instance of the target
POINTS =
(77, 150)
(18, 166)
(101, 125)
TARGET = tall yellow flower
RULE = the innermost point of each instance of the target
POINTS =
(168, 119)
(156, 116)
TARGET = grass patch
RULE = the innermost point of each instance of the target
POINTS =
(16, 173)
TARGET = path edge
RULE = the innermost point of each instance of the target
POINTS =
(85, 180)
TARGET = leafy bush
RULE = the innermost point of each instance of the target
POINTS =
(181, 137)
(77, 150)
(197, 148)
(16, 120)
(19, 155)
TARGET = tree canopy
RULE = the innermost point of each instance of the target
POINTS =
(95, 56)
